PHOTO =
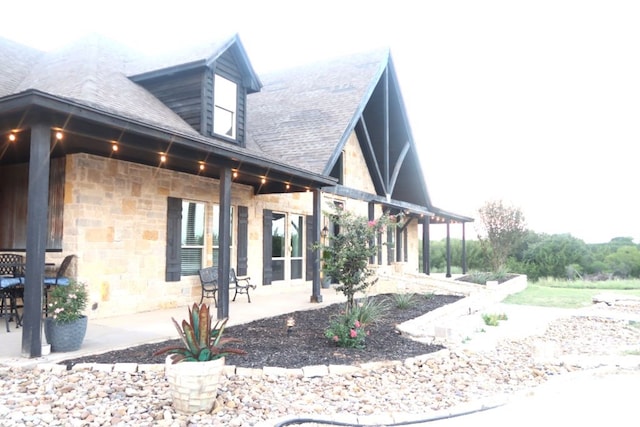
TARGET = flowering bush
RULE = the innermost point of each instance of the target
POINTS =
(347, 254)
(347, 331)
(66, 303)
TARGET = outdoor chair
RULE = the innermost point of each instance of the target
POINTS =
(241, 284)
(59, 279)
(11, 287)
(209, 283)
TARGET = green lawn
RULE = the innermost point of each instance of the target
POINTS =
(571, 294)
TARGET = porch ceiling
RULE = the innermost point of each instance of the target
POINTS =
(90, 132)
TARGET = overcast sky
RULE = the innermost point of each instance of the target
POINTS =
(536, 103)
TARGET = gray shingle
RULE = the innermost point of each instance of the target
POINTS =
(303, 114)
(17, 60)
(91, 72)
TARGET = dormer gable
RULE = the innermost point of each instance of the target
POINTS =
(207, 86)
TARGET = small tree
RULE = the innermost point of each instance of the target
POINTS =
(346, 256)
(502, 228)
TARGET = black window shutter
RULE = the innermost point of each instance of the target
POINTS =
(267, 271)
(243, 240)
(174, 223)
(310, 243)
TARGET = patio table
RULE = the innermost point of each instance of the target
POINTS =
(12, 289)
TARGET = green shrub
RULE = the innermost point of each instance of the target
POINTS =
(493, 319)
(370, 310)
(403, 301)
(346, 331)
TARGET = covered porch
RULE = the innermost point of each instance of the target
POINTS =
(38, 131)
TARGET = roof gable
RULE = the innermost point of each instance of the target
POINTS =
(303, 115)
(306, 115)
(203, 55)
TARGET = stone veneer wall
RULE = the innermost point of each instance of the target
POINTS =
(115, 221)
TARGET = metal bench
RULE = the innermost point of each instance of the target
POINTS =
(242, 284)
(209, 284)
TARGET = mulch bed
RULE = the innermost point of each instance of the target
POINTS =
(268, 343)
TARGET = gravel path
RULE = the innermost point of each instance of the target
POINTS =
(131, 395)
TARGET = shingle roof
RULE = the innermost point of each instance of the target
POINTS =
(17, 61)
(302, 115)
(91, 72)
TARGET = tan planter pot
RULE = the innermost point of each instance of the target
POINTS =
(194, 385)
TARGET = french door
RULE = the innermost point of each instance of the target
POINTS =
(287, 247)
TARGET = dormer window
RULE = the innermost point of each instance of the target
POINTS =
(226, 106)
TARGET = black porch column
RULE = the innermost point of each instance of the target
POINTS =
(464, 250)
(224, 255)
(372, 217)
(316, 296)
(426, 246)
(448, 248)
(37, 229)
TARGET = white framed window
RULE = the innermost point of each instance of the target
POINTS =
(192, 243)
(215, 231)
(225, 107)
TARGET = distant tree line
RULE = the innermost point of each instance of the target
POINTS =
(540, 256)
(506, 244)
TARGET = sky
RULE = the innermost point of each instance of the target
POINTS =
(535, 103)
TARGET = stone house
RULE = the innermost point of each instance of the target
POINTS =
(149, 168)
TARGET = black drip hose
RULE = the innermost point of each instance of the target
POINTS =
(298, 421)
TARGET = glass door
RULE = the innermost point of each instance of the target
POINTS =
(296, 236)
(287, 246)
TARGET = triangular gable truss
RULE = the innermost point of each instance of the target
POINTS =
(387, 145)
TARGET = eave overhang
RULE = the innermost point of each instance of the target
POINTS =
(144, 141)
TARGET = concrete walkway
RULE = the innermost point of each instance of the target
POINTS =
(114, 333)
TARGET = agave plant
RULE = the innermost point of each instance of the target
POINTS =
(200, 341)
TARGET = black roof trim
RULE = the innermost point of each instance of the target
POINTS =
(35, 98)
(352, 193)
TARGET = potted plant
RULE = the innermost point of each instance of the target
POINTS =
(65, 329)
(193, 369)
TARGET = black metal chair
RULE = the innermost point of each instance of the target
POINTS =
(242, 284)
(59, 279)
(209, 283)
(11, 287)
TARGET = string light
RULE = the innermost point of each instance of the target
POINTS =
(235, 174)
(114, 147)
(163, 158)
(263, 180)
(12, 137)
(287, 186)
(58, 135)
(201, 166)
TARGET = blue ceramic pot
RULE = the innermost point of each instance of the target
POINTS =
(65, 336)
